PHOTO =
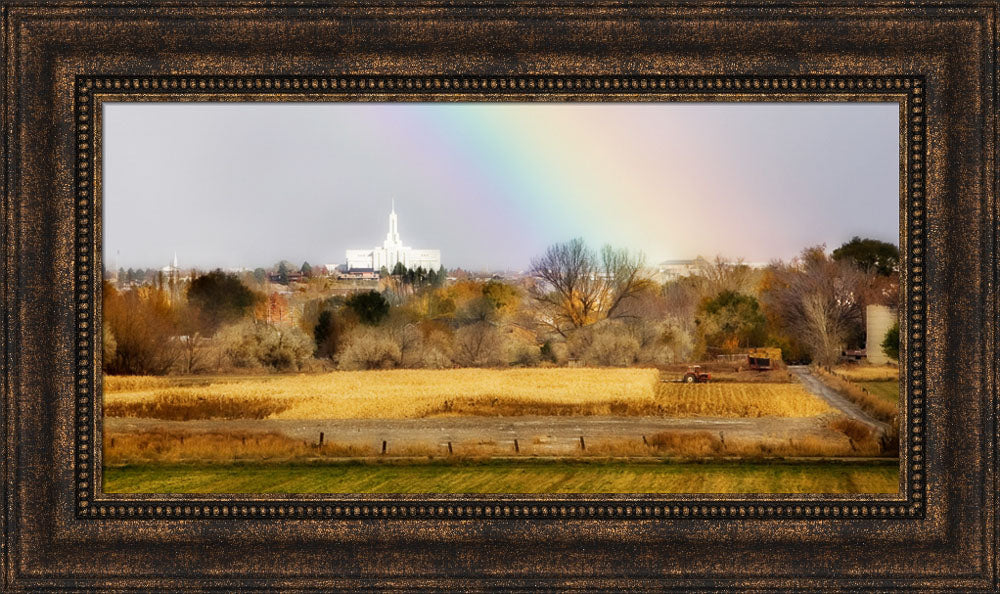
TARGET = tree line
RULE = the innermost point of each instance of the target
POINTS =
(598, 307)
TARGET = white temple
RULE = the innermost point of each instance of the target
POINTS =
(391, 252)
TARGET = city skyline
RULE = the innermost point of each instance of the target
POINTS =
(491, 185)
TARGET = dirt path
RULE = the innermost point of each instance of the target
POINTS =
(834, 398)
(544, 434)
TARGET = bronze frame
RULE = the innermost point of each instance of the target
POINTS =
(62, 59)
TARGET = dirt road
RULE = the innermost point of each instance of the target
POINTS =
(834, 398)
(544, 434)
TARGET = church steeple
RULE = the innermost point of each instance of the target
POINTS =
(392, 237)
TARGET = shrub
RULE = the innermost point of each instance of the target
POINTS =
(519, 352)
(478, 345)
(370, 349)
(611, 345)
(862, 438)
(558, 352)
(663, 343)
(890, 345)
(109, 344)
(144, 326)
(437, 350)
(257, 344)
(328, 333)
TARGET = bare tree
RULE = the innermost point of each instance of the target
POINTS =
(478, 345)
(722, 274)
(193, 348)
(569, 285)
(624, 278)
(817, 300)
(576, 287)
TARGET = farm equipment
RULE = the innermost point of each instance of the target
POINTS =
(758, 363)
(694, 375)
(763, 359)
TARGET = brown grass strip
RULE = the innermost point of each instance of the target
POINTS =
(185, 406)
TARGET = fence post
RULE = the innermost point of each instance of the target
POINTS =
(583, 445)
(321, 438)
(449, 448)
(383, 446)
(516, 448)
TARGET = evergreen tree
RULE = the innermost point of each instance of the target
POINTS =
(221, 297)
(370, 306)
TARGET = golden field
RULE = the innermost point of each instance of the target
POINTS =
(738, 400)
(392, 394)
(400, 394)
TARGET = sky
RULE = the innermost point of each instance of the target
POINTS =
(493, 184)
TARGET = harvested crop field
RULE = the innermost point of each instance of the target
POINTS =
(739, 400)
(407, 394)
(390, 394)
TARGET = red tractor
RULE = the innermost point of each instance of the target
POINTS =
(694, 375)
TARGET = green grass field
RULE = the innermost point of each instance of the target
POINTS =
(889, 391)
(505, 477)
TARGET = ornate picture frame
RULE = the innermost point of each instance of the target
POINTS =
(63, 60)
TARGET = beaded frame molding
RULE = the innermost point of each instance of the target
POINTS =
(92, 91)
(63, 58)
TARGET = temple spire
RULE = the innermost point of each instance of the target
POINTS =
(392, 237)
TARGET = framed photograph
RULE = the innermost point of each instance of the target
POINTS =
(500, 296)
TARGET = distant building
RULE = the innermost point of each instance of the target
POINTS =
(359, 274)
(391, 252)
(171, 270)
(671, 270)
(170, 279)
(290, 277)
